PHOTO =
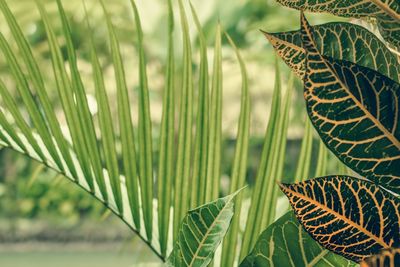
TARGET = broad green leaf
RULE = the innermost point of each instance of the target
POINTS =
(385, 258)
(338, 40)
(386, 12)
(352, 217)
(356, 112)
(285, 243)
(200, 233)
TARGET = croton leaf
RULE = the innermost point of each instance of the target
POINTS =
(200, 233)
(355, 111)
(352, 217)
(386, 258)
(285, 243)
(387, 12)
(338, 40)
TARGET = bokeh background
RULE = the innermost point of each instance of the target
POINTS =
(45, 220)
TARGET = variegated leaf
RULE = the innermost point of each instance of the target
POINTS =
(285, 243)
(386, 12)
(355, 111)
(338, 40)
(352, 217)
(200, 233)
(386, 258)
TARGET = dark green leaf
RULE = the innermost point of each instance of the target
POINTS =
(285, 243)
(385, 258)
(352, 217)
(387, 12)
(356, 112)
(340, 41)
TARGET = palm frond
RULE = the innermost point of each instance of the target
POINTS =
(189, 169)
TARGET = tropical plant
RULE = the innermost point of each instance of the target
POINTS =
(352, 96)
(101, 153)
(174, 205)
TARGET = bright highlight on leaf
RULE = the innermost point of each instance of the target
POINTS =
(352, 217)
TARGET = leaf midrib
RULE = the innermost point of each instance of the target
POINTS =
(207, 233)
(387, 9)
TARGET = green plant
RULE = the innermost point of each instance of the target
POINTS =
(112, 158)
(355, 109)
(102, 154)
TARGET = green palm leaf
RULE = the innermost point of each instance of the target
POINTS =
(167, 135)
(98, 152)
(215, 133)
(198, 195)
(263, 182)
(239, 166)
(184, 150)
(356, 112)
(145, 133)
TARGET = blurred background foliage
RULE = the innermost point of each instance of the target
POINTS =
(35, 204)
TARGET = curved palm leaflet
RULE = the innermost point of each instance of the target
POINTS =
(352, 217)
(386, 258)
(355, 111)
(37, 133)
(387, 13)
(338, 40)
(200, 233)
(285, 243)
